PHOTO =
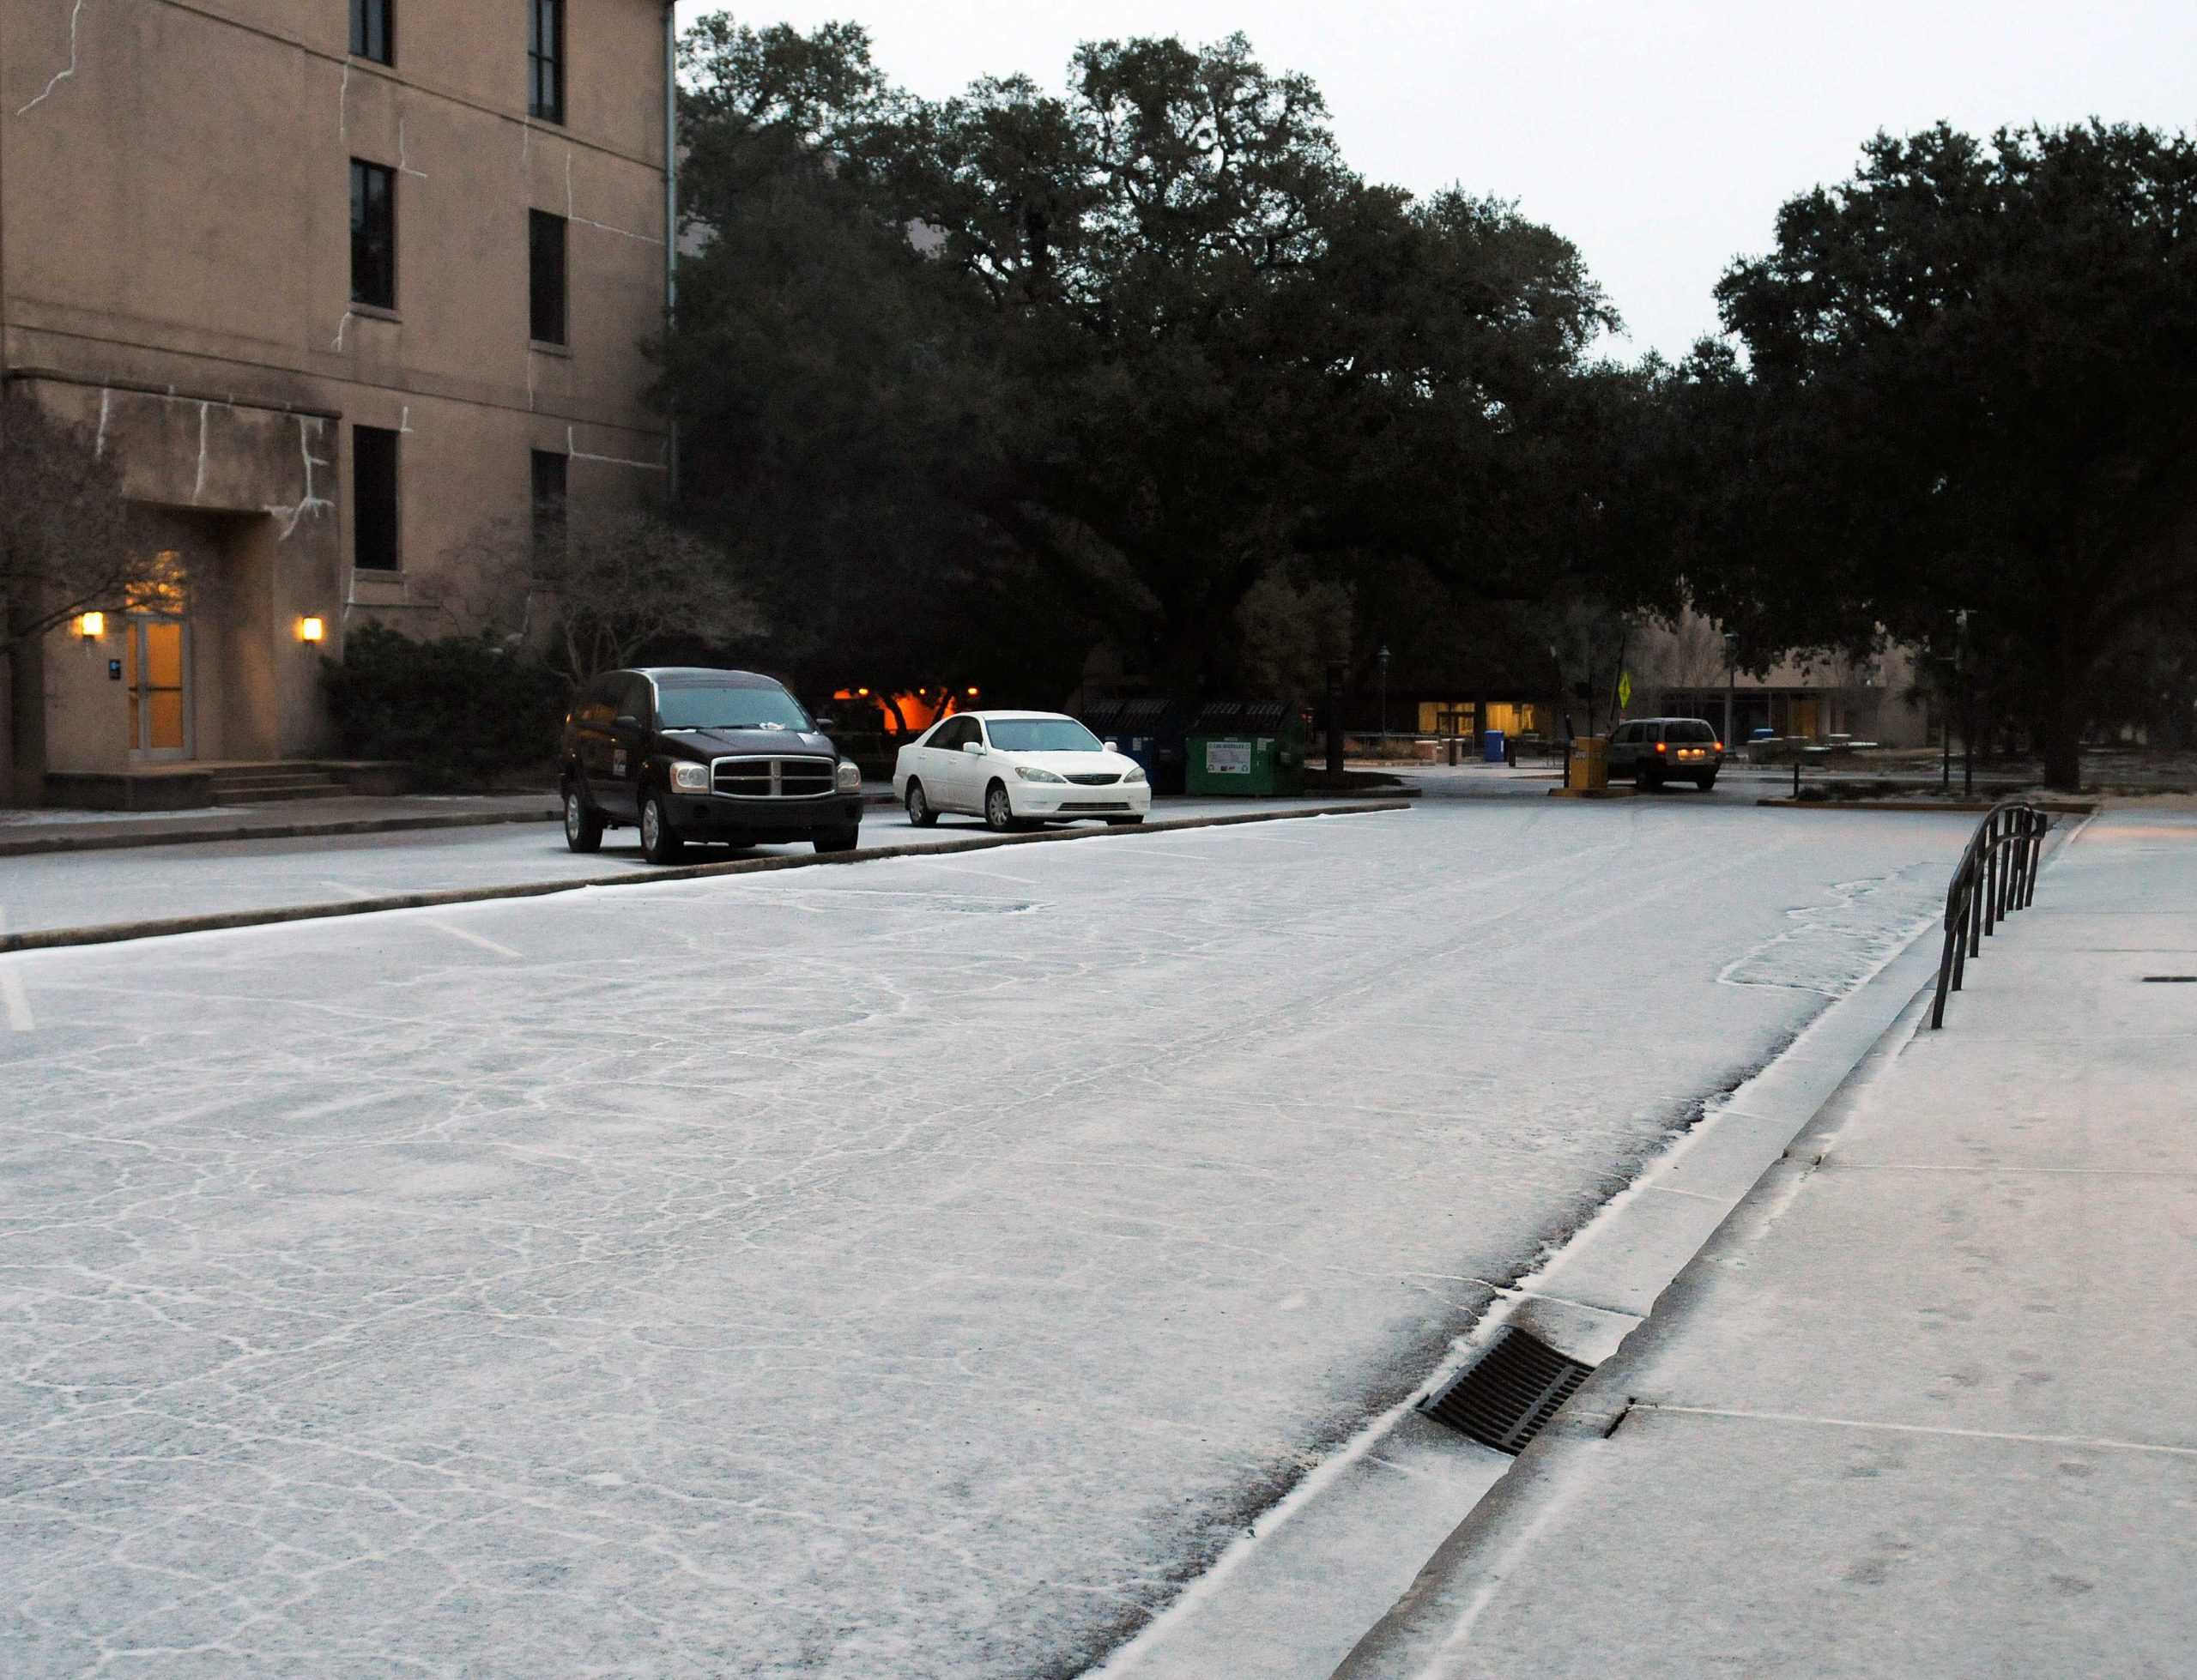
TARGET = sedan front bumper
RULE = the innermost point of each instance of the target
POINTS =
(1053, 802)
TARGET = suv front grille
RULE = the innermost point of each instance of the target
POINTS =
(773, 778)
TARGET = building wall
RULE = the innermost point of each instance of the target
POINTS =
(175, 267)
(1681, 667)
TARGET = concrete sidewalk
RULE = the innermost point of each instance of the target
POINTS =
(26, 833)
(1926, 1402)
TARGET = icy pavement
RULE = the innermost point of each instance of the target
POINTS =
(98, 889)
(915, 1269)
(1926, 1403)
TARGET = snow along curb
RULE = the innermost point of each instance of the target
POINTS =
(1328, 1562)
(116, 933)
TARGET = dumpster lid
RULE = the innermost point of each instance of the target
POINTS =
(1241, 717)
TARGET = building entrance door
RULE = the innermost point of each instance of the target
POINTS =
(156, 664)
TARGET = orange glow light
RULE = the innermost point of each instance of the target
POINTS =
(92, 625)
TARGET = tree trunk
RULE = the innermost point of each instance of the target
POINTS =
(2063, 733)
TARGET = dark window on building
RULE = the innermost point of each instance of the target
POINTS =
(546, 291)
(373, 235)
(549, 479)
(373, 498)
(545, 59)
(373, 30)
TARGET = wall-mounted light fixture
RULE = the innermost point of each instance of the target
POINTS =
(91, 625)
(312, 629)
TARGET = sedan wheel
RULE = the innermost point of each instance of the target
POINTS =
(919, 811)
(999, 810)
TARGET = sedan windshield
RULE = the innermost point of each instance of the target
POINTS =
(729, 709)
(1042, 735)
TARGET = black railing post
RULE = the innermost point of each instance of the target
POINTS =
(1990, 874)
(1995, 877)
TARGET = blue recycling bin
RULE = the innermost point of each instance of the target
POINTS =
(1492, 749)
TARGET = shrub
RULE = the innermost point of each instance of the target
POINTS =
(461, 712)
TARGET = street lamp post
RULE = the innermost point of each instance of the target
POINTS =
(1382, 657)
(1731, 682)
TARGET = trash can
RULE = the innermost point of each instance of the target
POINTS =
(1492, 752)
(1588, 772)
(1247, 748)
(1145, 730)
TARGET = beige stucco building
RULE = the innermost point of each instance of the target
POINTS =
(334, 281)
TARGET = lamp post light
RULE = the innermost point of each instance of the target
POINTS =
(1382, 659)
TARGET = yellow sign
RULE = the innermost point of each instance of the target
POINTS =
(1625, 688)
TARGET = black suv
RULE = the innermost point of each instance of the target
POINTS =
(717, 755)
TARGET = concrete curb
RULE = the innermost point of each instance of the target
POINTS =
(200, 836)
(1971, 807)
(302, 830)
(49, 938)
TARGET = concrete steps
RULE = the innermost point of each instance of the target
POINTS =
(266, 784)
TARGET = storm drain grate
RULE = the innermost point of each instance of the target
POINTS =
(2170, 980)
(1504, 1397)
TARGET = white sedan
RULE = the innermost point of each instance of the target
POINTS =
(1017, 769)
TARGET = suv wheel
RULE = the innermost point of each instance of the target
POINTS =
(999, 810)
(659, 844)
(1645, 778)
(583, 827)
(919, 811)
(837, 839)
(1705, 782)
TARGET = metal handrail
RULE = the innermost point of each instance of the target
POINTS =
(1996, 876)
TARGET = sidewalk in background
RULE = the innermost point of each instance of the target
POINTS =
(1926, 1403)
(25, 832)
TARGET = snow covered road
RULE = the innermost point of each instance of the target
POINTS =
(916, 1269)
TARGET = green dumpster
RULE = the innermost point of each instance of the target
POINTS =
(1253, 749)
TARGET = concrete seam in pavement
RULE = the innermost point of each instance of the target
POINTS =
(117, 933)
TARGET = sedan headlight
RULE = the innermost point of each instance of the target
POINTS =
(1136, 773)
(1031, 773)
(690, 778)
(850, 777)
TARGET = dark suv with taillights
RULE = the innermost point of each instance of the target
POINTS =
(686, 755)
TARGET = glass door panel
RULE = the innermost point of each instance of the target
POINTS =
(156, 663)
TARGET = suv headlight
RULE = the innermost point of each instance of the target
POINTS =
(1136, 773)
(850, 777)
(1031, 773)
(690, 778)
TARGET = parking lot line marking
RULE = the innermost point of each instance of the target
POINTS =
(457, 933)
(14, 998)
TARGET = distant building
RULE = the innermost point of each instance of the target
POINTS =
(1680, 672)
(336, 281)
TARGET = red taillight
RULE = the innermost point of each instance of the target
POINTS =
(1660, 747)
(1720, 746)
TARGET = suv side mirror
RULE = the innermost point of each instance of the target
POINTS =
(975, 747)
(824, 722)
(626, 721)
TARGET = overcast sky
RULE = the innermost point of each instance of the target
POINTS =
(1659, 135)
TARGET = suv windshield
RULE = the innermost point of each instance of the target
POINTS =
(1042, 735)
(729, 709)
(1694, 730)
